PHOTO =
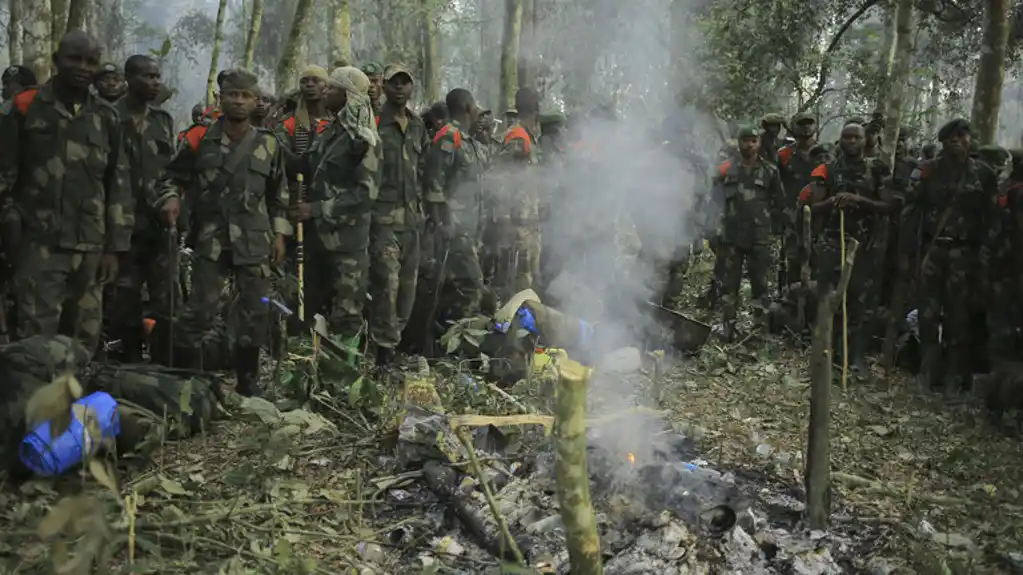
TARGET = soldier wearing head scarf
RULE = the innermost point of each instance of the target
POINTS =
(754, 202)
(849, 195)
(233, 174)
(345, 163)
(949, 223)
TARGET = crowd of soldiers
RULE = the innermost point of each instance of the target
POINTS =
(938, 232)
(100, 196)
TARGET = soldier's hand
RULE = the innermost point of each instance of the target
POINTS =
(277, 250)
(107, 269)
(301, 212)
(170, 212)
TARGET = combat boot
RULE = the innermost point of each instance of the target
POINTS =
(247, 371)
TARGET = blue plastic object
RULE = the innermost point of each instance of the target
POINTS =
(526, 322)
(280, 307)
(50, 457)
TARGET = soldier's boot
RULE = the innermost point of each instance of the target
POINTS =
(247, 371)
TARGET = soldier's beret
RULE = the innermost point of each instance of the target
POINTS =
(745, 132)
(23, 74)
(953, 128)
(372, 69)
(393, 70)
(238, 79)
(772, 118)
(802, 117)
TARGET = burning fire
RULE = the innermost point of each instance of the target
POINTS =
(631, 458)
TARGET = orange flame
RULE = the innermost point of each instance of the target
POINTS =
(631, 458)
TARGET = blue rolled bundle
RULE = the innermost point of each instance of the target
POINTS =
(49, 457)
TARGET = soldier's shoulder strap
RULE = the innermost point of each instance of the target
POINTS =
(723, 168)
(241, 152)
(455, 134)
(194, 135)
(820, 172)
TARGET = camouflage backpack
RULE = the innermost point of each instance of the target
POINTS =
(188, 399)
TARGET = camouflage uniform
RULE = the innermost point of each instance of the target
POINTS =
(453, 179)
(1003, 311)
(516, 216)
(863, 177)
(958, 254)
(231, 232)
(795, 166)
(62, 182)
(148, 145)
(397, 226)
(753, 199)
(769, 142)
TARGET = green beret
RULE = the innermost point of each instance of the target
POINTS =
(953, 128)
(238, 79)
(772, 118)
(802, 117)
(372, 69)
(745, 132)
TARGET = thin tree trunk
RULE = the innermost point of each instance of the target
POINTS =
(58, 22)
(905, 34)
(987, 92)
(431, 53)
(341, 36)
(76, 14)
(528, 55)
(510, 53)
(38, 50)
(14, 32)
(286, 65)
(218, 39)
(886, 62)
(255, 25)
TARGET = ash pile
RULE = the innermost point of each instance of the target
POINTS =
(659, 507)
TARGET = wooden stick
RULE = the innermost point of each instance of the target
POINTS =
(845, 308)
(804, 269)
(573, 479)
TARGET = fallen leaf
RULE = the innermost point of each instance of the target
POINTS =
(172, 487)
(880, 430)
(101, 473)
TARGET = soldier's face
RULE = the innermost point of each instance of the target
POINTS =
(957, 144)
(263, 106)
(146, 83)
(312, 88)
(376, 86)
(336, 98)
(772, 129)
(853, 141)
(111, 86)
(871, 139)
(78, 63)
(901, 148)
(238, 104)
(804, 130)
(749, 147)
(398, 89)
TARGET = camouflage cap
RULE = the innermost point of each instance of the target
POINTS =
(746, 132)
(772, 118)
(239, 79)
(393, 70)
(108, 68)
(372, 69)
(802, 117)
(953, 128)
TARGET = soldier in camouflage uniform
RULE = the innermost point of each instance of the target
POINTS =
(851, 187)
(344, 187)
(770, 138)
(452, 180)
(109, 82)
(63, 190)
(435, 117)
(728, 151)
(149, 144)
(15, 79)
(795, 162)
(375, 73)
(1005, 313)
(236, 187)
(397, 215)
(754, 202)
(948, 222)
(516, 215)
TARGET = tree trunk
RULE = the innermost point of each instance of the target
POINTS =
(14, 32)
(905, 34)
(987, 92)
(286, 65)
(38, 51)
(76, 14)
(255, 25)
(431, 53)
(528, 55)
(218, 39)
(817, 478)
(341, 36)
(58, 22)
(510, 53)
(886, 62)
